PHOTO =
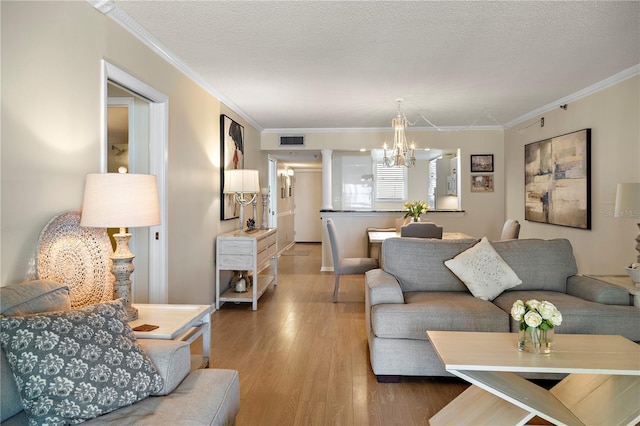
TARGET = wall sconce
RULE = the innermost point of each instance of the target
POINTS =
(283, 184)
(290, 173)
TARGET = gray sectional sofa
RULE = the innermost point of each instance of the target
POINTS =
(201, 397)
(416, 292)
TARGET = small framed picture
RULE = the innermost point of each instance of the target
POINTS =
(482, 183)
(482, 163)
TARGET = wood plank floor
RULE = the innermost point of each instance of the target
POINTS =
(304, 360)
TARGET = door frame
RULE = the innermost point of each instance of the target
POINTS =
(158, 147)
(273, 192)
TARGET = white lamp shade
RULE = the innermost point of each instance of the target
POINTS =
(120, 200)
(628, 200)
(241, 181)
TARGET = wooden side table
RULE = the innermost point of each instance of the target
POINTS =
(623, 281)
(177, 322)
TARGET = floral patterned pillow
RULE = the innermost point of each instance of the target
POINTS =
(71, 366)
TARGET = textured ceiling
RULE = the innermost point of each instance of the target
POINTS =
(322, 64)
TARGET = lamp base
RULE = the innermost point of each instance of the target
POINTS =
(122, 269)
(638, 246)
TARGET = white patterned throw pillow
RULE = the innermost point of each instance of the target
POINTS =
(483, 271)
(71, 366)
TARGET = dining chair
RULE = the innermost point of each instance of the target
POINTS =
(346, 265)
(511, 230)
(421, 230)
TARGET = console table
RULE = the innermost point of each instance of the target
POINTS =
(242, 251)
(177, 322)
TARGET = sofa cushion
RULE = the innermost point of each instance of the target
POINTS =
(34, 296)
(436, 310)
(483, 271)
(206, 397)
(78, 364)
(580, 316)
(22, 299)
(418, 263)
(540, 264)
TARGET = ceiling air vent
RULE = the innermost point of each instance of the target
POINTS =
(291, 140)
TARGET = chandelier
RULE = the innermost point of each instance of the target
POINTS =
(401, 154)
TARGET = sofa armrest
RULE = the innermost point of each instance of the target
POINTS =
(382, 287)
(172, 358)
(594, 290)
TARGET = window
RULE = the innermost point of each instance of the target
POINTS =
(391, 183)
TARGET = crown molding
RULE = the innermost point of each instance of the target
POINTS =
(607, 82)
(291, 131)
(110, 9)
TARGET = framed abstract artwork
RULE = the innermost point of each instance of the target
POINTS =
(482, 163)
(232, 157)
(558, 180)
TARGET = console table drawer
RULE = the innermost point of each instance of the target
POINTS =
(269, 240)
(236, 261)
(231, 246)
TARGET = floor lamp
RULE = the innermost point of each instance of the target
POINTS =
(244, 185)
(121, 200)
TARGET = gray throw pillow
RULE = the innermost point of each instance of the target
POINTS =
(71, 366)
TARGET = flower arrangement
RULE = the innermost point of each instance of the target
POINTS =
(536, 320)
(415, 209)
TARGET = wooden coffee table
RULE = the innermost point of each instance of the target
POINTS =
(602, 388)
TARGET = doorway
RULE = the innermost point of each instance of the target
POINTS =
(128, 152)
(308, 203)
(147, 141)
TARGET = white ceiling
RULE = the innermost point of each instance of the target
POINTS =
(342, 64)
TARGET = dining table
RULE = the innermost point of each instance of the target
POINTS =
(376, 238)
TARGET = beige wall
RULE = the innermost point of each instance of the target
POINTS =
(51, 79)
(613, 114)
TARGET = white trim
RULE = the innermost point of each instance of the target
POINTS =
(120, 17)
(158, 149)
(607, 82)
(376, 129)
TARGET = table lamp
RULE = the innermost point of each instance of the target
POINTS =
(121, 200)
(244, 185)
(628, 206)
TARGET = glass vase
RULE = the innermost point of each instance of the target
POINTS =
(535, 340)
(416, 218)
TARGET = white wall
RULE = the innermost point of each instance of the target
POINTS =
(613, 114)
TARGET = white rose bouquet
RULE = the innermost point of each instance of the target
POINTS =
(536, 319)
(533, 313)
